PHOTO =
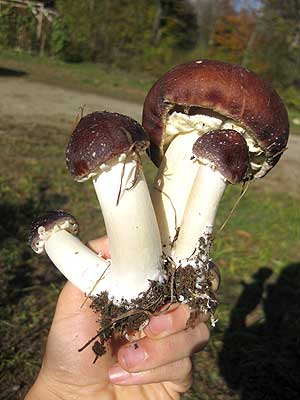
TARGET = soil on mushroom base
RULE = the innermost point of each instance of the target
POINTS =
(182, 285)
(25, 100)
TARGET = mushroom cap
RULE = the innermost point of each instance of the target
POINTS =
(226, 151)
(98, 138)
(226, 89)
(52, 221)
(215, 275)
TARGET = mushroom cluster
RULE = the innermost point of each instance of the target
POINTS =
(208, 124)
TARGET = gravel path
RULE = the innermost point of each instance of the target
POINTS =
(24, 100)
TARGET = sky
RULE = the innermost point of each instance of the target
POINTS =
(238, 4)
(253, 4)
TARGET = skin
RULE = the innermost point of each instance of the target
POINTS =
(155, 365)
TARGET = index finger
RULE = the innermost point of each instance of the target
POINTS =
(100, 245)
(172, 321)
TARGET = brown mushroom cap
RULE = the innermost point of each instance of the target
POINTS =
(226, 89)
(99, 137)
(227, 151)
(49, 221)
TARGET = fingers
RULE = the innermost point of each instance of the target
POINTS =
(100, 245)
(174, 320)
(149, 353)
(164, 353)
(178, 371)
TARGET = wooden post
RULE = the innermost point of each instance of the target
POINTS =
(39, 29)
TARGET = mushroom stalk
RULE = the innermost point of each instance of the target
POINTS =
(55, 233)
(200, 212)
(172, 186)
(222, 157)
(132, 230)
(66, 250)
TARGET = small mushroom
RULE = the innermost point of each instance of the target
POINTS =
(215, 276)
(195, 98)
(106, 147)
(55, 233)
(222, 156)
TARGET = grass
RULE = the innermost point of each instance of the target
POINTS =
(258, 253)
(97, 78)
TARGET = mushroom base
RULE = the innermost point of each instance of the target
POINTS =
(188, 285)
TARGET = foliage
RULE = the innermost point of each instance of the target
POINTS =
(291, 97)
(231, 37)
(17, 28)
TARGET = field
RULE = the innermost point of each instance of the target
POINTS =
(254, 352)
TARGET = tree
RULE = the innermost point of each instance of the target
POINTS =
(231, 37)
(278, 40)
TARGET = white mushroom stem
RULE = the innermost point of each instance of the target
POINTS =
(200, 212)
(77, 262)
(132, 230)
(172, 186)
(176, 175)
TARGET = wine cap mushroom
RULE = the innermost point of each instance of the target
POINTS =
(223, 91)
(52, 221)
(98, 138)
(223, 158)
(55, 234)
(106, 147)
(224, 150)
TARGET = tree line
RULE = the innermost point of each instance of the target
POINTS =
(152, 35)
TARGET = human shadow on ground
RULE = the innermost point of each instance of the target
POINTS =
(11, 73)
(261, 358)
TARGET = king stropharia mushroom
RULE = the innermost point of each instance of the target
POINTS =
(106, 148)
(205, 118)
(210, 124)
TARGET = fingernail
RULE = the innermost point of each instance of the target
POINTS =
(133, 355)
(117, 374)
(160, 324)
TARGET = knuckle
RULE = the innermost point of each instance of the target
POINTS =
(171, 345)
(185, 313)
(186, 366)
(201, 337)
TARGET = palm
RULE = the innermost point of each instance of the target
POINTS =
(72, 327)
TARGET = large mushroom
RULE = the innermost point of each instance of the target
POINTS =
(106, 147)
(195, 98)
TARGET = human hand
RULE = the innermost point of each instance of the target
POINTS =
(155, 366)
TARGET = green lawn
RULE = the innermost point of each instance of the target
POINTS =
(85, 76)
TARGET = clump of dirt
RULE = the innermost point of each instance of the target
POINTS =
(189, 285)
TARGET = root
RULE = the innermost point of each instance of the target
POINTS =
(186, 284)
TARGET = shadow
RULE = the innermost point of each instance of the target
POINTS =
(260, 357)
(20, 268)
(12, 73)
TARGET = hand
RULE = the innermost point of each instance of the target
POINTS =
(155, 366)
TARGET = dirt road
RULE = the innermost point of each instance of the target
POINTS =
(24, 100)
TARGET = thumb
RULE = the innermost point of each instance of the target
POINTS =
(72, 327)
